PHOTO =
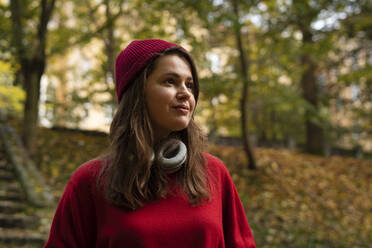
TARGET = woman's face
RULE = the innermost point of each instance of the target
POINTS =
(169, 95)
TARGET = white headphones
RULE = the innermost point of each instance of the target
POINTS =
(170, 155)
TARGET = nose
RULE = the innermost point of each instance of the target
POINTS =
(184, 93)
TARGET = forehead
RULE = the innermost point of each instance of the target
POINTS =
(172, 63)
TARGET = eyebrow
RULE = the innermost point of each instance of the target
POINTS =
(176, 75)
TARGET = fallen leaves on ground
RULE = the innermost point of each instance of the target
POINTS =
(301, 200)
(292, 200)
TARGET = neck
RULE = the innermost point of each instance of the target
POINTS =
(160, 137)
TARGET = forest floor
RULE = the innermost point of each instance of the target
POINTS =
(292, 199)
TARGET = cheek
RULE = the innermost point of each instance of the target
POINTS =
(158, 103)
(193, 103)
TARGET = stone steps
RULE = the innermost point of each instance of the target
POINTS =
(7, 176)
(4, 167)
(11, 187)
(21, 238)
(11, 207)
(18, 221)
(15, 196)
(17, 227)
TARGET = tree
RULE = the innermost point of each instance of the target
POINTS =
(245, 93)
(106, 35)
(30, 53)
(305, 16)
(223, 28)
(300, 20)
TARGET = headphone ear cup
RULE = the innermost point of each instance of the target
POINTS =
(152, 159)
(171, 155)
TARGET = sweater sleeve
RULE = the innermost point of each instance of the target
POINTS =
(74, 225)
(237, 232)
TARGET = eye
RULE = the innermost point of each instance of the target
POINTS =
(190, 85)
(169, 81)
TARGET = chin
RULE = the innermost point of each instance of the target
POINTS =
(179, 126)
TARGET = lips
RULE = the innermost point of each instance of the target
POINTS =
(182, 108)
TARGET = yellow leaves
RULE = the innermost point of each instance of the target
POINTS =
(38, 189)
(5, 67)
(330, 203)
(54, 171)
(291, 200)
(274, 166)
(288, 203)
(61, 152)
(11, 98)
(304, 197)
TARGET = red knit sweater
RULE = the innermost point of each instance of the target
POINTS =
(85, 219)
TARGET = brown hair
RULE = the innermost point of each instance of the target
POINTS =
(128, 177)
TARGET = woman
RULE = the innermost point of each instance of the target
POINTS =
(155, 188)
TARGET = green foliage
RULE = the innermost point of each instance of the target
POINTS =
(11, 100)
(6, 73)
(11, 97)
(4, 31)
(272, 32)
(294, 200)
(276, 109)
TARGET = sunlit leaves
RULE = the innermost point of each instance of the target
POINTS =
(11, 100)
(299, 200)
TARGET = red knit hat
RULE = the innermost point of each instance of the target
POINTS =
(133, 59)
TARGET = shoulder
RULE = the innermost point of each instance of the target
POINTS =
(213, 161)
(81, 188)
(219, 175)
(87, 172)
(215, 165)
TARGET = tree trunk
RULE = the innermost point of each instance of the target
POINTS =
(32, 60)
(314, 132)
(245, 94)
(213, 123)
(32, 71)
(110, 45)
(59, 115)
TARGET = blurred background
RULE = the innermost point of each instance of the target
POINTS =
(286, 102)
